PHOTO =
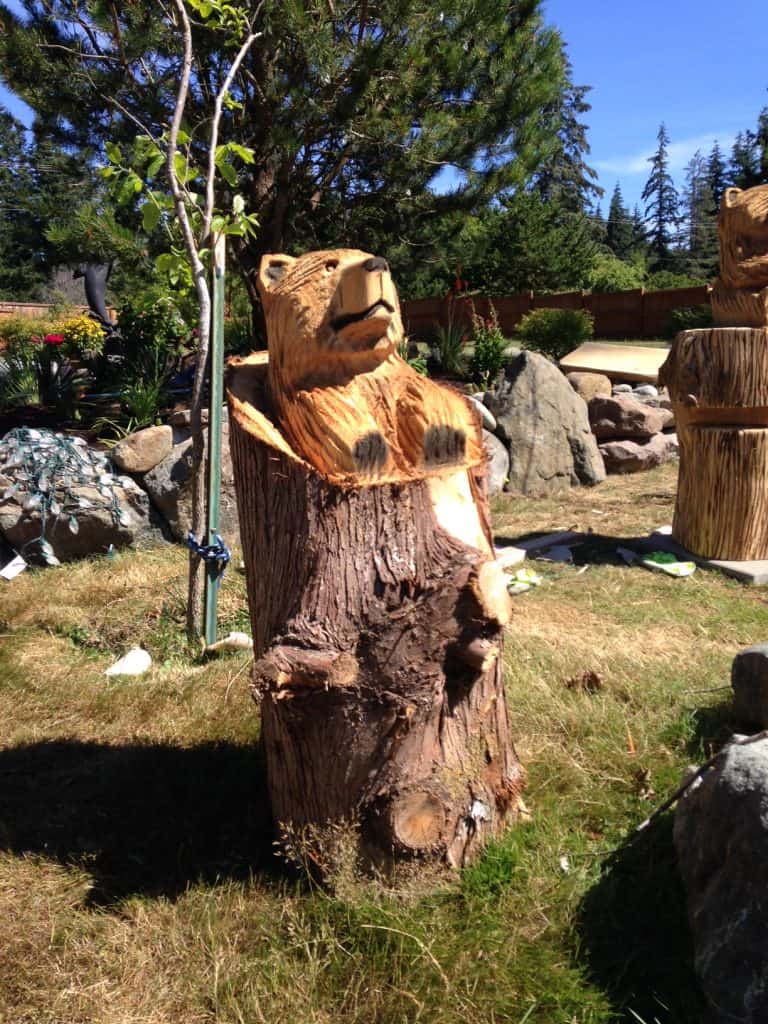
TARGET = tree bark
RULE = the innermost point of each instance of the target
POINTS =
(718, 383)
(377, 635)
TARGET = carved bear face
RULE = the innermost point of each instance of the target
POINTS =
(329, 315)
(743, 230)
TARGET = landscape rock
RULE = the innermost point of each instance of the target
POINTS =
(545, 427)
(749, 679)
(621, 389)
(141, 451)
(721, 838)
(498, 463)
(62, 499)
(667, 419)
(629, 456)
(623, 416)
(646, 391)
(587, 385)
(132, 524)
(169, 485)
(489, 421)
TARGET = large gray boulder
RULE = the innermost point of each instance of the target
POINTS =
(169, 485)
(721, 839)
(544, 425)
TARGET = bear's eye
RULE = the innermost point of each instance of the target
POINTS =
(331, 265)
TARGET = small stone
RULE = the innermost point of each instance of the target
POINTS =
(489, 420)
(646, 389)
(749, 679)
(622, 389)
(587, 385)
(142, 451)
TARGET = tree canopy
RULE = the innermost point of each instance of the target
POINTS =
(353, 110)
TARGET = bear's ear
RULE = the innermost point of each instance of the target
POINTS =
(730, 197)
(272, 270)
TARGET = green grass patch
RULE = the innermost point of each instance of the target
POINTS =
(138, 881)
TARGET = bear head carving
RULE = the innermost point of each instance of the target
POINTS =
(743, 231)
(330, 315)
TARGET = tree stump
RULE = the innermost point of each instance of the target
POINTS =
(376, 605)
(718, 383)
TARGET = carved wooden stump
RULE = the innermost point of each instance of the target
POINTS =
(718, 383)
(376, 606)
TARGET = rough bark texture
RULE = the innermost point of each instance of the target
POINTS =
(718, 383)
(377, 640)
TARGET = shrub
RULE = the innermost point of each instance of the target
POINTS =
(448, 346)
(23, 330)
(663, 279)
(687, 318)
(413, 357)
(554, 332)
(155, 336)
(610, 274)
(489, 345)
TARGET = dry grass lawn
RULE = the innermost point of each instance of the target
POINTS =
(137, 875)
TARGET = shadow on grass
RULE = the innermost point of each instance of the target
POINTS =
(592, 548)
(634, 933)
(141, 819)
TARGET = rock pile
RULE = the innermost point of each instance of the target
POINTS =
(634, 426)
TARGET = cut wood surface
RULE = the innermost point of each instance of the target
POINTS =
(376, 604)
(718, 382)
(619, 362)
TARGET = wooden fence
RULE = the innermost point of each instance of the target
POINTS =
(632, 314)
(32, 310)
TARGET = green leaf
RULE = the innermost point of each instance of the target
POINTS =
(180, 167)
(228, 173)
(154, 165)
(113, 151)
(150, 216)
(218, 223)
(245, 153)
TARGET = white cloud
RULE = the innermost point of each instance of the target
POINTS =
(679, 155)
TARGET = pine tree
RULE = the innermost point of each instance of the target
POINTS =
(22, 271)
(661, 205)
(619, 234)
(564, 175)
(717, 176)
(700, 225)
(744, 167)
(350, 109)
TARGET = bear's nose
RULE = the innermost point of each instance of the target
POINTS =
(375, 263)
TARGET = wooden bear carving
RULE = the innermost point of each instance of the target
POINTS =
(377, 606)
(345, 399)
(740, 294)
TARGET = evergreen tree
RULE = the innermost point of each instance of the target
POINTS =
(745, 162)
(700, 225)
(564, 175)
(717, 176)
(661, 205)
(619, 235)
(22, 270)
(351, 109)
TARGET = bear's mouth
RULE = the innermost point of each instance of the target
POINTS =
(379, 310)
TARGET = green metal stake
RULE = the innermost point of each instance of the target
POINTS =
(214, 433)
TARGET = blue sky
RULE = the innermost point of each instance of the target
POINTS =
(697, 65)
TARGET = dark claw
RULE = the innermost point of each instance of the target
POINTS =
(444, 445)
(370, 453)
